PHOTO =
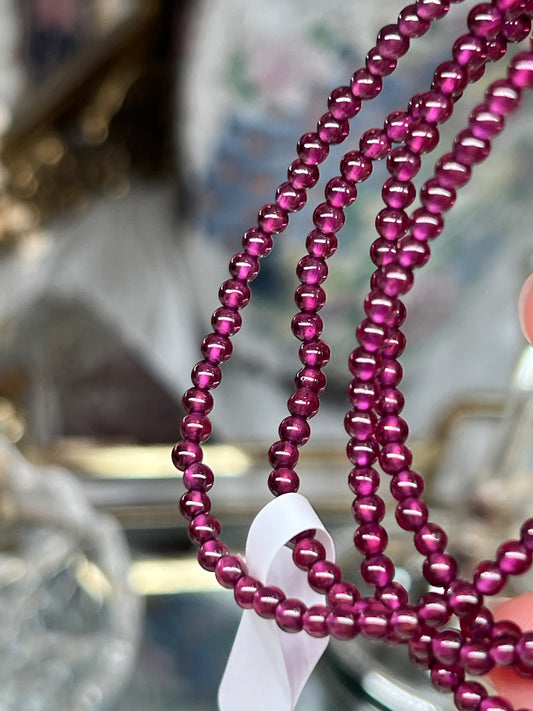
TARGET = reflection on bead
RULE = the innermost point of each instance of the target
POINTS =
(433, 609)
(290, 614)
(360, 425)
(314, 354)
(391, 373)
(196, 400)
(301, 175)
(306, 327)
(390, 402)
(434, 107)
(323, 575)
(469, 695)
(315, 621)
(370, 539)
(245, 590)
(356, 167)
(412, 253)
(468, 149)
(290, 198)
(404, 623)
(365, 85)
(488, 578)
(363, 365)
(521, 71)
(283, 481)
(202, 528)
(411, 514)
(229, 570)
(478, 626)
(257, 243)
(226, 322)
(470, 51)
(343, 594)
(193, 503)
(332, 130)
(311, 378)
(311, 149)
(394, 458)
(272, 219)
(266, 599)
(311, 270)
(382, 252)
(342, 104)
(210, 553)
(516, 30)
(394, 344)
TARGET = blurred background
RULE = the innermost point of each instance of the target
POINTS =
(138, 138)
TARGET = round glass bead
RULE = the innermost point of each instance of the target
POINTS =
(332, 130)
(321, 245)
(193, 503)
(406, 484)
(370, 335)
(368, 509)
(377, 570)
(294, 429)
(216, 348)
(283, 480)
(410, 24)
(485, 20)
(355, 167)
(469, 695)
(450, 79)
(404, 623)
(433, 609)
(290, 198)
(195, 427)
(378, 64)
(463, 598)
(524, 651)
(421, 137)
(450, 173)
(488, 578)
(229, 570)
(210, 553)
(391, 43)
(272, 219)
(502, 97)
(432, 9)
(391, 371)
(306, 327)
(393, 596)
(411, 514)
(446, 679)
(419, 649)
(340, 193)
(196, 400)
(436, 198)
(327, 218)
(310, 298)
(315, 621)
(395, 457)
(362, 454)
(370, 539)
(364, 85)
(290, 614)
(398, 194)
(266, 600)
(202, 528)
(311, 270)
(431, 538)
(185, 453)
(440, 569)
(311, 378)
(412, 253)
(226, 322)
(403, 164)
(244, 591)
(516, 30)
(314, 354)
(307, 552)
(256, 243)
(391, 224)
(283, 454)
(359, 425)
(391, 429)
(521, 71)
(478, 626)
(346, 594)
(433, 107)
(303, 402)
(446, 646)
(311, 149)
(484, 124)
(206, 375)
(373, 619)
(363, 365)
(394, 344)
(468, 149)
(342, 104)
(301, 175)
(513, 558)
(495, 703)
(396, 125)
(390, 402)
(502, 649)
(426, 225)
(375, 144)
(363, 482)
(244, 267)
(526, 534)
(323, 575)
(362, 395)
(382, 252)
(470, 51)
(341, 623)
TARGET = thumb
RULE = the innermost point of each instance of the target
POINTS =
(506, 681)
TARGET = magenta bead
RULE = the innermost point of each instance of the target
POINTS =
(422, 137)
(496, 48)
(431, 538)
(446, 679)
(306, 326)
(390, 375)
(360, 425)
(310, 298)
(311, 149)
(266, 600)
(406, 484)
(272, 219)
(488, 578)
(341, 623)
(244, 267)
(210, 553)
(370, 335)
(404, 623)
(363, 482)
(382, 252)
(412, 253)
(226, 322)
(363, 365)
(391, 224)
(495, 703)
(397, 194)
(375, 144)
(362, 454)
(314, 354)
(340, 193)
(301, 175)
(346, 594)
(513, 558)
(290, 615)
(380, 309)
(342, 104)
(436, 198)
(391, 429)
(521, 70)
(332, 130)
(395, 457)
(469, 695)
(303, 402)
(526, 534)
(433, 610)
(432, 9)
(321, 245)
(411, 514)
(202, 528)
(502, 97)
(311, 378)
(377, 570)
(315, 621)
(307, 552)
(390, 402)
(478, 626)
(194, 503)
(257, 243)
(283, 480)
(450, 79)
(391, 43)
(447, 647)
(403, 164)
(327, 218)
(373, 619)
(283, 454)
(206, 375)
(484, 124)
(229, 570)
(426, 225)
(450, 173)
(368, 509)
(216, 348)
(364, 85)
(356, 167)
(323, 575)
(370, 539)
(396, 125)
(394, 344)
(468, 149)
(290, 198)
(502, 649)
(393, 596)
(244, 591)
(362, 395)
(378, 64)
(311, 270)
(294, 429)
(470, 52)
(410, 24)
(516, 30)
(440, 569)
(434, 107)
(185, 453)
(463, 598)
(419, 649)
(195, 427)
(485, 20)
(196, 400)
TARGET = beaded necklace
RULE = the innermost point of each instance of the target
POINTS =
(377, 433)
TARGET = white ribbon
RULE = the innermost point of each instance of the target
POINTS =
(268, 668)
